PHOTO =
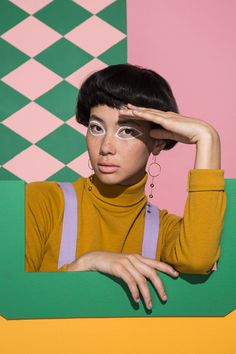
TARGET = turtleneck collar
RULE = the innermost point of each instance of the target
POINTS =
(118, 194)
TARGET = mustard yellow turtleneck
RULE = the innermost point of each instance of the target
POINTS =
(111, 218)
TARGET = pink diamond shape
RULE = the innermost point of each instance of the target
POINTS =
(95, 36)
(80, 165)
(94, 6)
(31, 6)
(78, 76)
(33, 122)
(32, 79)
(31, 36)
(33, 164)
(79, 127)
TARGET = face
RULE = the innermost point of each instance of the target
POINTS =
(118, 146)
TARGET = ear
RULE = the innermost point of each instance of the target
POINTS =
(158, 146)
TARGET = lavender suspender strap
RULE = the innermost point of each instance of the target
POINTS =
(69, 229)
(151, 231)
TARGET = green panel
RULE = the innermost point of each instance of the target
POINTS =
(115, 15)
(10, 15)
(63, 15)
(7, 176)
(64, 143)
(10, 58)
(63, 57)
(64, 175)
(13, 101)
(11, 144)
(116, 54)
(92, 294)
(61, 100)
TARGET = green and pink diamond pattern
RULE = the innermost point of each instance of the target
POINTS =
(47, 48)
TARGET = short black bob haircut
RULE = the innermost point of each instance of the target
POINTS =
(118, 85)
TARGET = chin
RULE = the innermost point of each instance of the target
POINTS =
(109, 178)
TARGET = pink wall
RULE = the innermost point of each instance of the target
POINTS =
(192, 44)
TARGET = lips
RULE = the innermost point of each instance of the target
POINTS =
(107, 167)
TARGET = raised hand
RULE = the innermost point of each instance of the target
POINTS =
(133, 269)
(184, 129)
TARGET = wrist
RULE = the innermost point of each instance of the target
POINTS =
(80, 264)
(208, 135)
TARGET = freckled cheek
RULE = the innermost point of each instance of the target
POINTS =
(93, 144)
(133, 150)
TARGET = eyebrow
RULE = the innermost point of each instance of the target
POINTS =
(121, 121)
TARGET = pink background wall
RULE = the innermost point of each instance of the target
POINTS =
(192, 44)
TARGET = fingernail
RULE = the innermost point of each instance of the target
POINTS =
(149, 306)
(137, 299)
(133, 106)
(164, 297)
(124, 108)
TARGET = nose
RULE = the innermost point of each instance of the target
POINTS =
(108, 145)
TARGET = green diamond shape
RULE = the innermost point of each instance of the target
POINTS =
(61, 100)
(10, 58)
(64, 175)
(63, 57)
(115, 15)
(10, 15)
(11, 144)
(7, 176)
(63, 15)
(12, 101)
(64, 143)
(116, 54)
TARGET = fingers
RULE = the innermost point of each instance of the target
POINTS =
(155, 116)
(148, 268)
(161, 266)
(140, 274)
(122, 272)
(131, 108)
(135, 270)
(135, 280)
(148, 272)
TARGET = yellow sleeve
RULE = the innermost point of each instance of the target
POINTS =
(192, 243)
(43, 203)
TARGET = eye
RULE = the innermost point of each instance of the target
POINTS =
(128, 133)
(95, 128)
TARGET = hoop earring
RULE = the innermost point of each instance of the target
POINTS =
(154, 170)
(89, 165)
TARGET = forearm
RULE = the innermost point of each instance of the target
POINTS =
(208, 152)
(191, 244)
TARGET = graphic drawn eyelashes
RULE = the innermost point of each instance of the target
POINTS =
(135, 131)
(94, 125)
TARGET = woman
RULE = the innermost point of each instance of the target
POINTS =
(130, 112)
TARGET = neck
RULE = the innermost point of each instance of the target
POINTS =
(118, 194)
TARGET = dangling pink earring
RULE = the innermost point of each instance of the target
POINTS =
(154, 170)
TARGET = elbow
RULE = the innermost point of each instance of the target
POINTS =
(196, 265)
